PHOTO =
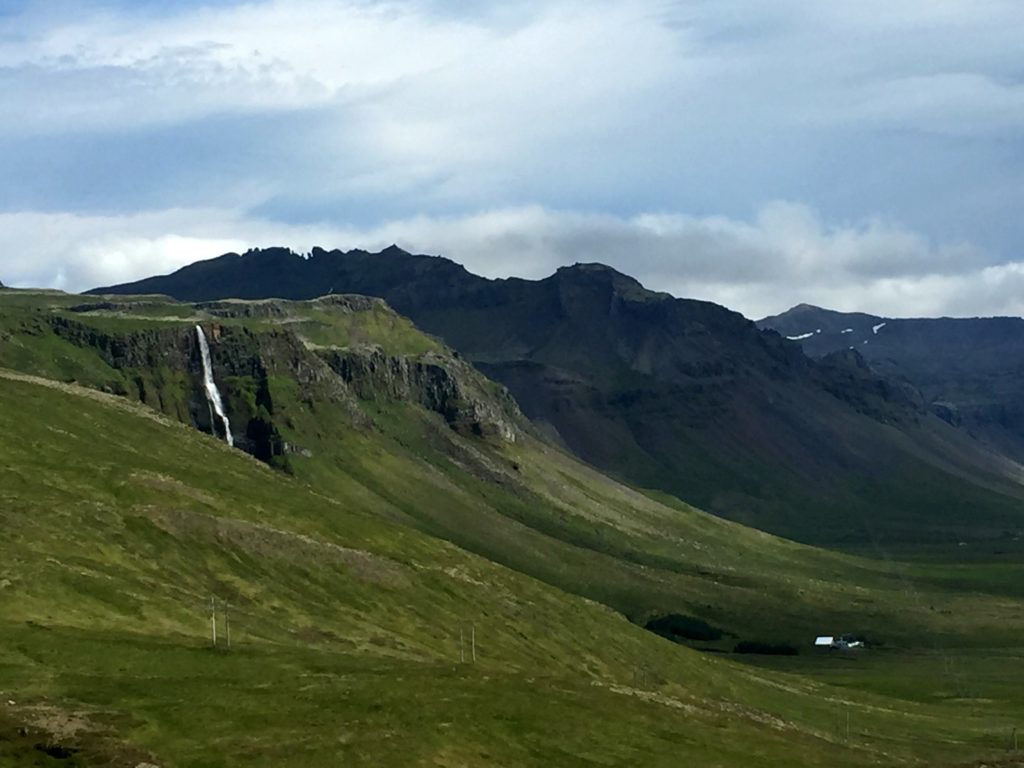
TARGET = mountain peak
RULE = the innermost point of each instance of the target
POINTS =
(273, 251)
(592, 267)
(806, 319)
(594, 273)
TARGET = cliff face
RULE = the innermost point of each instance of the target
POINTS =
(163, 368)
(846, 375)
(438, 381)
(261, 359)
(468, 402)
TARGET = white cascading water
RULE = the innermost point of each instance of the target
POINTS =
(212, 393)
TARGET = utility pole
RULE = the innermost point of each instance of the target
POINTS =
(227, 625)
(213, 620)
(472, 630)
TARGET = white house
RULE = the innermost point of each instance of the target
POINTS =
(844, 642)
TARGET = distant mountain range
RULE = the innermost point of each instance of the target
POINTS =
(970, 371)
(685, 397)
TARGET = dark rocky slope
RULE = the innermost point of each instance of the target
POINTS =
(970, 371)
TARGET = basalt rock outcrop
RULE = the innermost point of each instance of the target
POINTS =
(252, 346)
(162, 367)
(469, 403)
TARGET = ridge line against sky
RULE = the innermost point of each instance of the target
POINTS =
(861, 156)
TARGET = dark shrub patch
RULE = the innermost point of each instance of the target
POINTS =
(755, 646)
(678, 628)
(56, 751)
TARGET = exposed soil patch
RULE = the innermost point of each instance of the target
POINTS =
(45, 736)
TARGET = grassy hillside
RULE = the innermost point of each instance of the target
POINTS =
(346, 592)
(344, 631)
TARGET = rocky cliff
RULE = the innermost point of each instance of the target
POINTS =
(448, 386)
(260, 353)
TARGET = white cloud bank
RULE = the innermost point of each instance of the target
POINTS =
(144, 140)
(783, 256)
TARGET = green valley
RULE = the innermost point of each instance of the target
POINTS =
(403, 517)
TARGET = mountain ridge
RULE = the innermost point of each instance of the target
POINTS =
(969, 370)
(676, 395)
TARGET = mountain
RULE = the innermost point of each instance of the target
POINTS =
(970, 371)
(677, 396)
(408, 575)
(344, 395)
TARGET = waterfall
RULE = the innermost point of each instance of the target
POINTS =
(212, 393)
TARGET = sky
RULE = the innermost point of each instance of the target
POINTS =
(860, 155)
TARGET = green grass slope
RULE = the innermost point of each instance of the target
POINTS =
(120, 525)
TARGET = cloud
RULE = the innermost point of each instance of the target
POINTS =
(965, 104)
(371, 97)
(642, 134)
(677, 105)
(125, 71)
(782, 256)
